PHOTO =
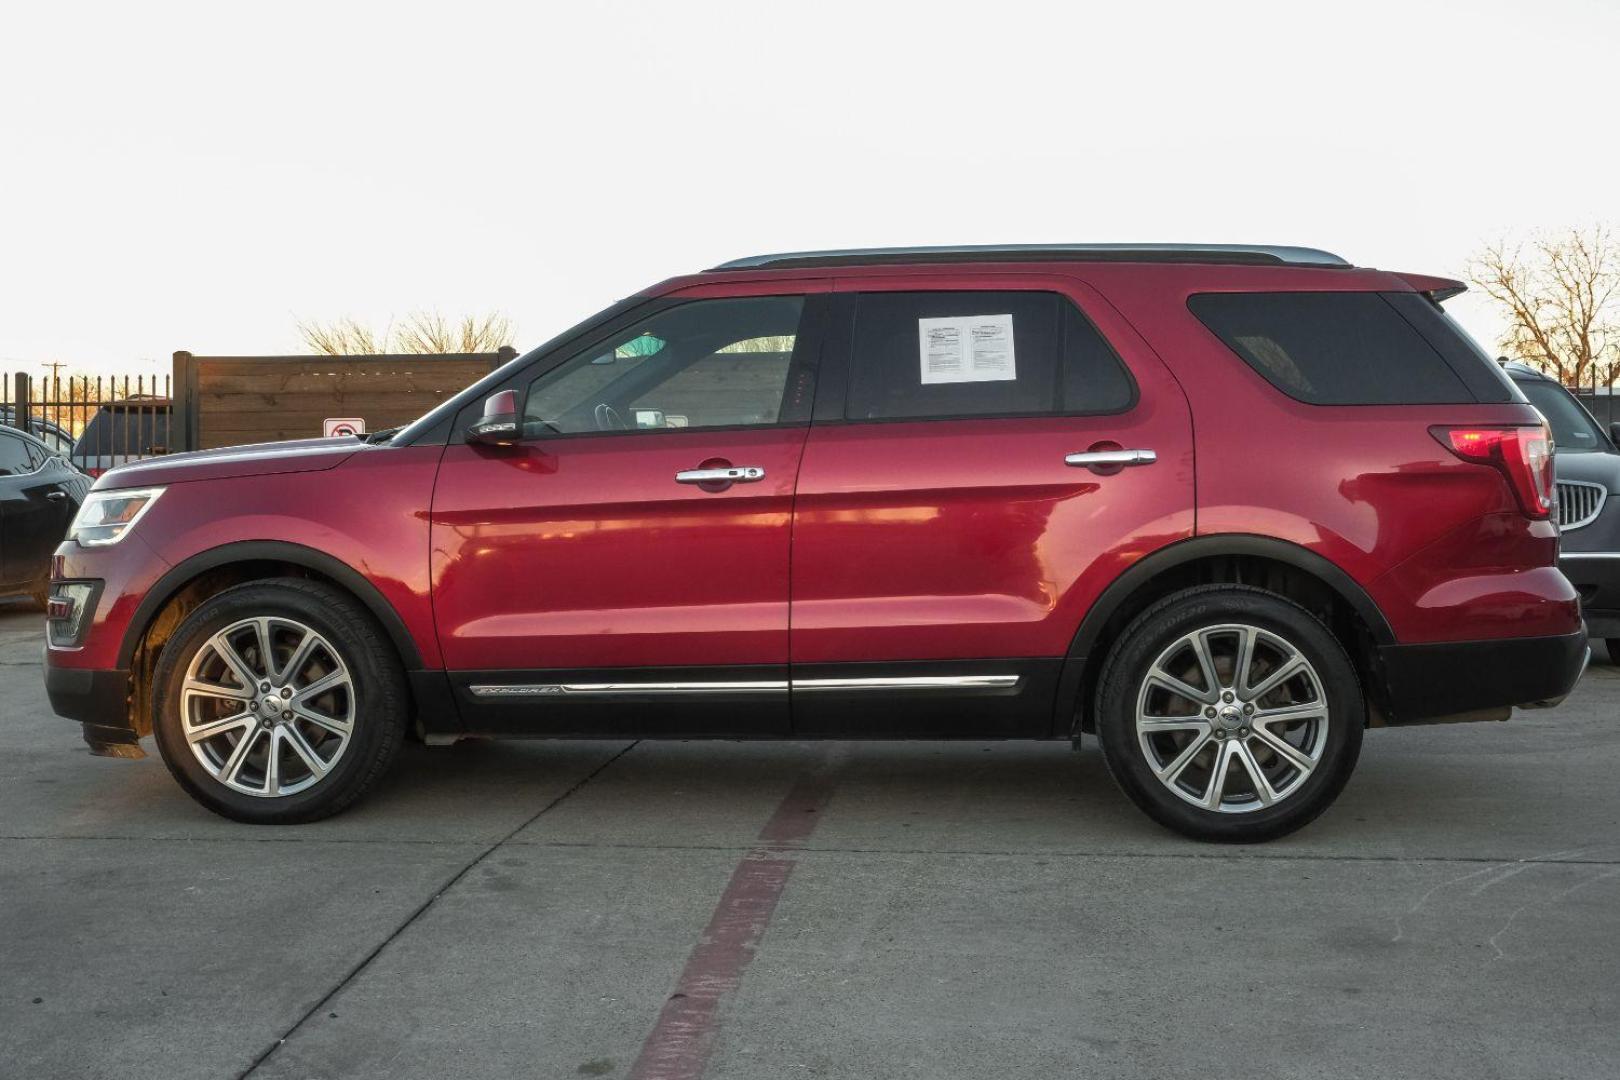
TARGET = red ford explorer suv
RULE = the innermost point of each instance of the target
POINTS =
(1223, 507)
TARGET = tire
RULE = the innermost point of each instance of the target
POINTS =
(1614, 649)
(330, 745)
(1324, 695)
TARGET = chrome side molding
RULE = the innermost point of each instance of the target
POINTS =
(918, 682)
(759, 686)
(567, 689)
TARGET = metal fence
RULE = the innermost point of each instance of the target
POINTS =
(96, 420)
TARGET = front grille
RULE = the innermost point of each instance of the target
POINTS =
(1579, 503)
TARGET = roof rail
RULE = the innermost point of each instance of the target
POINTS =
(1250, 254)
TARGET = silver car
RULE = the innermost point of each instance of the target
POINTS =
(1587, 464)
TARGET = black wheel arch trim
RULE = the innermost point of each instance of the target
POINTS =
(1180, 553)
(241, 551)
(1214, 546)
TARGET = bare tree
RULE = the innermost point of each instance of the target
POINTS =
(1561, 295)
(430, 332)
(421, 332)
(344, 337)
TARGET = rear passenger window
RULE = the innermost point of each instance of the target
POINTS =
(969, 354)
(1332, 348)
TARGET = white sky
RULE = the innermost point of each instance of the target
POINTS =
(201, 177)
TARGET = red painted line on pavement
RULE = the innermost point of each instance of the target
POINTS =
(678, 1047)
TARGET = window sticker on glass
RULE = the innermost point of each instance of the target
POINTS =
(969, 348)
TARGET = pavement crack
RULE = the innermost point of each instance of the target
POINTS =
(1512, 867)
(423, 908)
(1493, 940)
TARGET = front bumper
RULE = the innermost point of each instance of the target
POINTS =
(1596, 577)
(100, 701)
(1425, 683)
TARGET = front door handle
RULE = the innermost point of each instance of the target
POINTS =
(1111, 457)
(732, 474)
(56, 496)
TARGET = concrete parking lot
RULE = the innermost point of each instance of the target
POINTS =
(791, 910)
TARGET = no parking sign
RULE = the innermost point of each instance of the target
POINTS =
(334, 426)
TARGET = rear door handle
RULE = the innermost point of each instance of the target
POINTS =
(1111, 457)
(734, 474)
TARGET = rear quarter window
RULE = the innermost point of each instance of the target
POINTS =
(1333, 348)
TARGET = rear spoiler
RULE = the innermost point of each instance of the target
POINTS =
(1438, 289)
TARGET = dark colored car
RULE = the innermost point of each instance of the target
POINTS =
(54, 436)
(1223, 507)
(123, 431)
(40, 492)
(1587, 465)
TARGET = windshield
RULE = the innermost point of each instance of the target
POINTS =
(1572, 426)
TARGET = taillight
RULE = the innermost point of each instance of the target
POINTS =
(1523, 454)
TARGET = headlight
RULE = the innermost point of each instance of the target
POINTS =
(107, 516)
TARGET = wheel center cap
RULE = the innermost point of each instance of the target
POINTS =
(1230, 718)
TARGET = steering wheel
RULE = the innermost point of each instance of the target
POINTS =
(608, 418)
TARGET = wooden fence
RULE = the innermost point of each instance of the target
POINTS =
(229, 400)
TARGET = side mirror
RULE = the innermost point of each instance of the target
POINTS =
(499, 426)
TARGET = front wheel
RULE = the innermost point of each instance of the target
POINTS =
(278, 702)
(1229, 713)
(1614, 649)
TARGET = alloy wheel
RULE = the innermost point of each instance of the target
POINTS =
(1232, 718)
(268, 706)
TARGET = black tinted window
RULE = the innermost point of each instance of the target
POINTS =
(13, 455)
(950, 354)
(1482, 375)
(1347, 348)
(1094, 380)
(1572, 427)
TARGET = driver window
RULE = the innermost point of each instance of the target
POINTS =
(707, 363)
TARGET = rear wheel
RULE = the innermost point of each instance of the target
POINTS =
(1614, 649)
(1228, 713)
(278, 702)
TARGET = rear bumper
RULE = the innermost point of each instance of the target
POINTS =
(99, 700)
(1428, 682)
(1596, 577)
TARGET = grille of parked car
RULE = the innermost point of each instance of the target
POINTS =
(1579, 503)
